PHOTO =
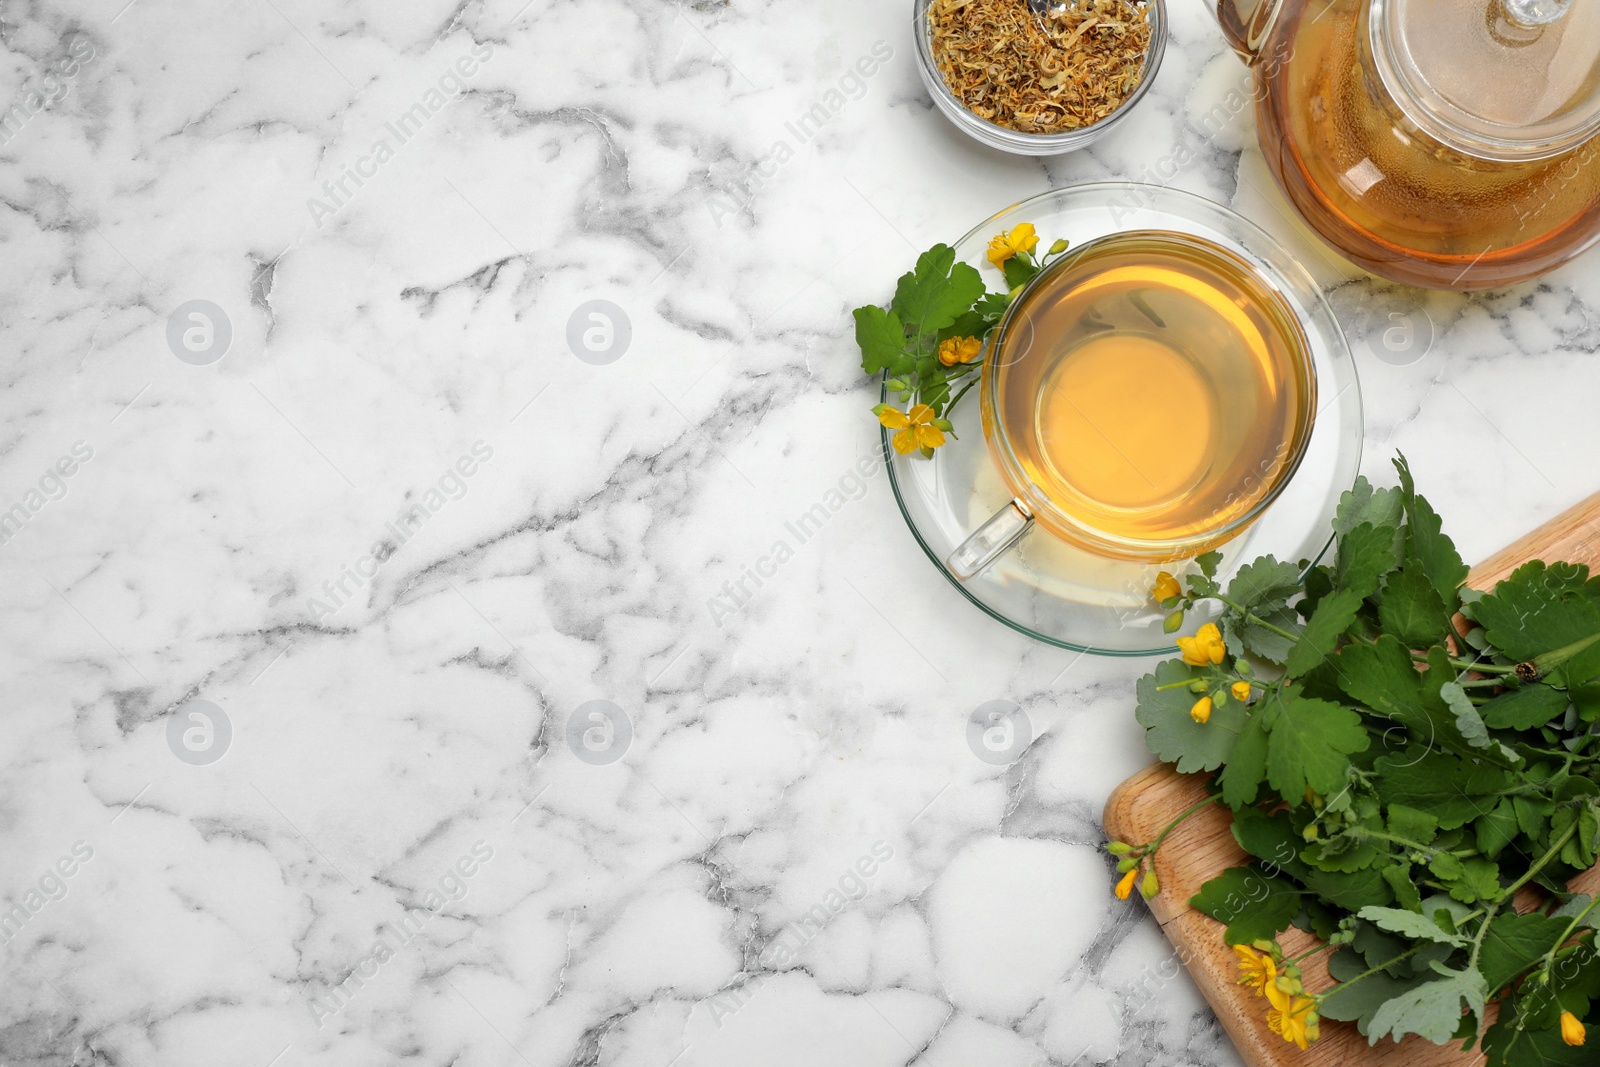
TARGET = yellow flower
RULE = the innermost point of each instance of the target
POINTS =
(1125, 886)
(1257, 969)
(1204, 648)
(1201, 712)
(953, 350)
(915, 426)
(1572, 1031)
(1020, 238)
(1296, 1021)
(1240, 691)
(1166, 586)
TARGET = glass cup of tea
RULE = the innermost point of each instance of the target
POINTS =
(1146, 397)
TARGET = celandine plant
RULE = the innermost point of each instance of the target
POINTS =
(929, 341)
(1398, 781)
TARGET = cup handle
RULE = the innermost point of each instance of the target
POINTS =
(1002, 530)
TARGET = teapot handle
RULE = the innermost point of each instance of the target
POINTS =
(1247, 23)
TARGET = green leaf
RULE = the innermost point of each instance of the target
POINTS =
(1359, 1001)
(1479, 880)
(1405, 888)
(1413, 824)
(1254, 905)
(1540, 608)
(967, 324)
(1381, 676)
(1532, 815)
(1343, 852)
(1366, 554)
(1209, 563)
(1451, 789)
(931, 297)
(1514, 943)
(1524, 709)
(1272, 839)
(1019, 271)
(1362, 503)
(1431, 1009)
(1497, 829)
(1310, 745)
(1468, 721)
(1575, 978)
(1350, 891)
(1172, 734)
(1446, 867)
(1411, 610)
(1427, 544)
(1508, 1046)
(882, 339)
(993, 306)
(1327, 624)
(1251, 636)
(1247, 766)
(1411, 925)
(1264, 581)
(1320, 920)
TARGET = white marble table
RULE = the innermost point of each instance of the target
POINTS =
(398, 534)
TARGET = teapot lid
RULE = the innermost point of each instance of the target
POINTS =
(1499, 79)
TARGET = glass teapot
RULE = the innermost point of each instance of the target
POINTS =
(1446, 143)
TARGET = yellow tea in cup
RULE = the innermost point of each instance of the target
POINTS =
(1149, 393)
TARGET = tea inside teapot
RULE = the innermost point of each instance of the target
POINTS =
(1444, 143)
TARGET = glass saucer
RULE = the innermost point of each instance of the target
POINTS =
(1068, 597)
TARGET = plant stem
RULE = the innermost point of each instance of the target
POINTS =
(957, 398)
(1407, 842)
(1577, 921)
(1556, 658)
(1498, 670)
(1251, 616)
(1382, 966)
(1173, 825)
(1511, 890)
(1555, 849)
(1320, 946)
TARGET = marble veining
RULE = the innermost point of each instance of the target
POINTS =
(389, 684)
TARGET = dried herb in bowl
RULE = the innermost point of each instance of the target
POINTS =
(1064, 69)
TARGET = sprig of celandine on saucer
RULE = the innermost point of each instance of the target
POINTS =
(931, 337)
(1397, 781)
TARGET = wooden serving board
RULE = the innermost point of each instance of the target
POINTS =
(1203, 847)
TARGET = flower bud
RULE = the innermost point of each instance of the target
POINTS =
(1058, 247)
(1126, 864)
(1172, 623)
(1149, 887)
(1119, 848)
(943, 424)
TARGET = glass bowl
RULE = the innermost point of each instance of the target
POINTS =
(1067, 596)
(1032, 144)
